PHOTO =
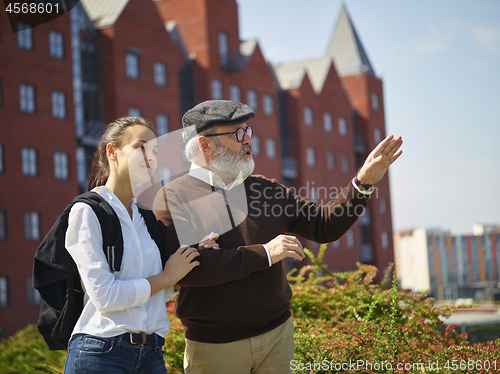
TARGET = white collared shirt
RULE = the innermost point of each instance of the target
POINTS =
(115, 303)
(212, 179)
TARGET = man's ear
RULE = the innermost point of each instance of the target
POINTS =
(205, 145)
(111, 151)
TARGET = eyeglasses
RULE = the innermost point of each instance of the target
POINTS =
(240, 133)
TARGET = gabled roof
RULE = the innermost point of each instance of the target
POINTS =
(346, 49)
(104, 13)
(172, 29)
(247, 47)
(290, 75)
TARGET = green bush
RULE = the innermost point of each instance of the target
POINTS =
(339, 318)
(27, 353)
(343, 318)
(173, 350)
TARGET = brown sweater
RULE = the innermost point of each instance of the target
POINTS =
(234, 294)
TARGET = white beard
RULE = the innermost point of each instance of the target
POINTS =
(229, 165)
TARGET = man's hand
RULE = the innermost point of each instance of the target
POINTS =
(380, 159)
(284, 246)
(209, 241)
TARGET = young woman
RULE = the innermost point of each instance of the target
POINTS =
(124, 319)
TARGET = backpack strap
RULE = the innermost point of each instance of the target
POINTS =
(151, 224)
(112, 237)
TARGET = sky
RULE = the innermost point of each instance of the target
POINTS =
(439, 61)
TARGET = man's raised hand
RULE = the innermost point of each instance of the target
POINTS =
(379, 160)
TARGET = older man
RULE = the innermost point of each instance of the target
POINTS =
(235, 306)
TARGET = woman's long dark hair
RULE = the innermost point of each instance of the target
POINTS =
(99, 172)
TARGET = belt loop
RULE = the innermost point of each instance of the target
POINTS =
(143, 338)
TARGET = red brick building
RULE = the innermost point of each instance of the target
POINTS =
(335, 117)
(321, 139)
(62, 81)
(37, 154)
(366, 97)
(225, 67)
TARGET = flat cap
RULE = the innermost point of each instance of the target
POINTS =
(217, 113)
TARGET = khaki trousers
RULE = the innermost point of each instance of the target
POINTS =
(268, 353)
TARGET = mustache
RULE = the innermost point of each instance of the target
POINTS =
(245, 149)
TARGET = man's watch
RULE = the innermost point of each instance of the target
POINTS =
(363, 187)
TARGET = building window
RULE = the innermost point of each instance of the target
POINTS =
(1, 159)
(3, 226)
(160, 73)
(313, 194)
(252, 99)
(383, 206)
(58, 104)
(223, 48)
(345, 164)
(216, 89)
(24, 35)
(61, 165)
(31, 226)
(384, 237)
(342, 126)
(134, 112)
(161, 124)
(256, 145)
(34, 297)
(327, 122)
(56, 44)
(308, 116)
(375, 103)
(81, 166)
(29, 161)
(270, 148)
(4, 292)
(310, 157)
(330, 160)
(377, 135)
(27, 98)
(234, 93)
(132, 65)
(268, 104)
(350, 239)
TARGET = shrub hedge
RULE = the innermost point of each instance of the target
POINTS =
(344, 323)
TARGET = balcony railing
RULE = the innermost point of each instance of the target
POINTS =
(90, 132)
(233, 61)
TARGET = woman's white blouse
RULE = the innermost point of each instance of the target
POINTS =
(119, 302)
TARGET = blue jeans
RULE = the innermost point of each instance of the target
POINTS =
(88, 354)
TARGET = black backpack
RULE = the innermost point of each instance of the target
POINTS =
(55, 274)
